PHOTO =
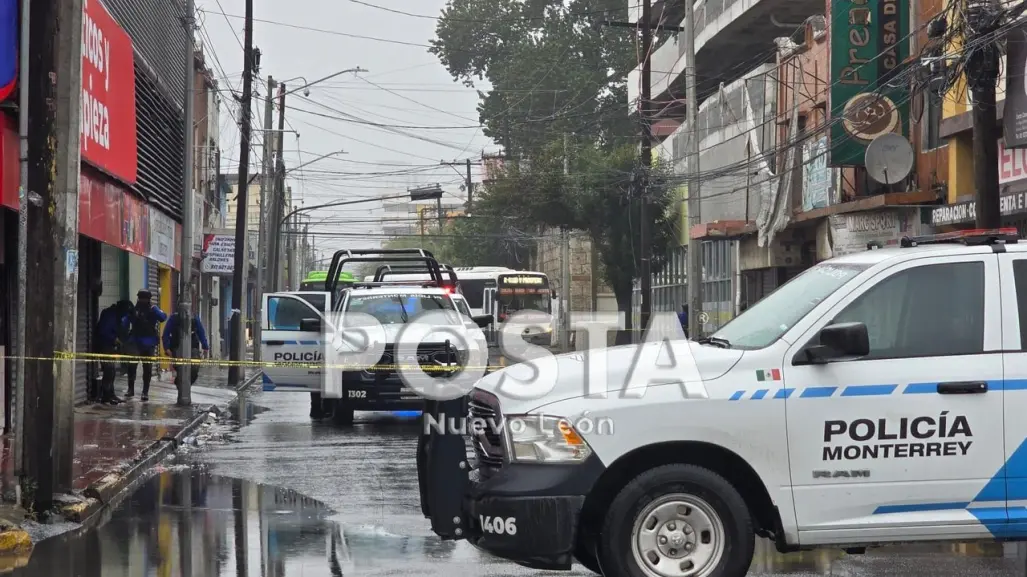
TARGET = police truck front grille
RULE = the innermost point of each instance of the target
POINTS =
(485, 438)
(430, 357)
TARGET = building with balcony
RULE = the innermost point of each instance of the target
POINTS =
(731, 37)
(949, 128)
(775, 198)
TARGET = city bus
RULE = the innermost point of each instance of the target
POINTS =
(500, 292)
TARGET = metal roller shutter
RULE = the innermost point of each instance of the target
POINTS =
(152, 276)
(110, 275)
(89, 268)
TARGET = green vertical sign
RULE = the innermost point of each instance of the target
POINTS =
(869, 93)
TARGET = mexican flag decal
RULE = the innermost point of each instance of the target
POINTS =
(768, 375)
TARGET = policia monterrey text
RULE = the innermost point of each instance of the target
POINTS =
(920, 428)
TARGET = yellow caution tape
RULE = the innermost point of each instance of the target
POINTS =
(133, 359)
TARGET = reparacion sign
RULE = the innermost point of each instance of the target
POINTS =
(942, 436)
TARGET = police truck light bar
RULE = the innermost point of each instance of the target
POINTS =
(973, 237)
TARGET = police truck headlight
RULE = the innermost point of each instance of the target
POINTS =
(544, 439)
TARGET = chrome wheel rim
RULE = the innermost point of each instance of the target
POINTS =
(678, 535)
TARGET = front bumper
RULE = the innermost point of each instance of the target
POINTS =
(526, 513)
(541, 502)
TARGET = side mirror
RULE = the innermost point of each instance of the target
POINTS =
(837, 342)
(552, 294)
(310, 325)
(482, 320)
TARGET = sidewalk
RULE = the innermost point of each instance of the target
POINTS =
(116, 445)
(107, 438)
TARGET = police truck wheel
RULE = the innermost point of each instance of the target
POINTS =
(678, 521)
(342, 415)
(585, 554)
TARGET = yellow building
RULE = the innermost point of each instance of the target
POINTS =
(956, 127)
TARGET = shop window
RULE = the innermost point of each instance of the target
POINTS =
(901, 312)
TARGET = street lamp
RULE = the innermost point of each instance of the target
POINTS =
(275, 233)
(305, 87)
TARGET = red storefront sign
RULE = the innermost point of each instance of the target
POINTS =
(108, 94)
(135, 225)
(100, 208)
(10, 166)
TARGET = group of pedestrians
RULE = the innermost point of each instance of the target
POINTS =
(134, 331)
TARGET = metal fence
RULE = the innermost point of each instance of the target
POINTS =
(670, 285)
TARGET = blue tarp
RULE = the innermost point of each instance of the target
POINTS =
(8, 47)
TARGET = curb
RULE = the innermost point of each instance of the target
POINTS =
(104, 492)
(249, 381)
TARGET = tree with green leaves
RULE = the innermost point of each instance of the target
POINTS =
(598, 197)
(555, 70)
(552, 65)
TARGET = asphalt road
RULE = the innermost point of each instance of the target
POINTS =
(275, 495)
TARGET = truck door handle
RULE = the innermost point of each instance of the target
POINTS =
(963, 388)
(274, 343)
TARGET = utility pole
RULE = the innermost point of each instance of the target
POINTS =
(694, 268)
(469, 184)
(277, 203)
(438, 208)
(290, 252)
(54, 103)
(185, 295)
(982, 73)
(262, 223)
(645, 162)
(565, 264)
(241, 260)
(18, 418)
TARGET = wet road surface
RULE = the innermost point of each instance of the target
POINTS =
(276, 496)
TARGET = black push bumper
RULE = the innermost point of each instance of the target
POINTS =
(526, 513)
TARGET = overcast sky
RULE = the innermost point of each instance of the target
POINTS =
(404, 86)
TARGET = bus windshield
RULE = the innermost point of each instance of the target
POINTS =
(524, 292)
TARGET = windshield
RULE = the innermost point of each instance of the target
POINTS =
(509, 303)
(461, 305)
(399, 308)
(765, 322)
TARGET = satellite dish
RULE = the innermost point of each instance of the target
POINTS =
(889, 158)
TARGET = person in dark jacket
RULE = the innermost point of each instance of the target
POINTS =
(144, 336)
(683, 319)
(109, 335)
(172, 343)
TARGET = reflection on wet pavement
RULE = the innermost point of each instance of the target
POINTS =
(285, 497)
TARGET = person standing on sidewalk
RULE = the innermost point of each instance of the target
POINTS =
(144, 335)
(110, 334)
(173, 341)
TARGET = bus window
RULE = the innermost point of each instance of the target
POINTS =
(473, 289)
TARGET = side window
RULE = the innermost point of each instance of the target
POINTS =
(1020, 279)
(285, 314)
(932, 310)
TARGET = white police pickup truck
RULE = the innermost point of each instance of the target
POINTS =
(359, 321)
(877, 397)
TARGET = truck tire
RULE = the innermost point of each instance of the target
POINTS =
(686, 518)
(342, 416)
(317, 411)
(585, 555)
